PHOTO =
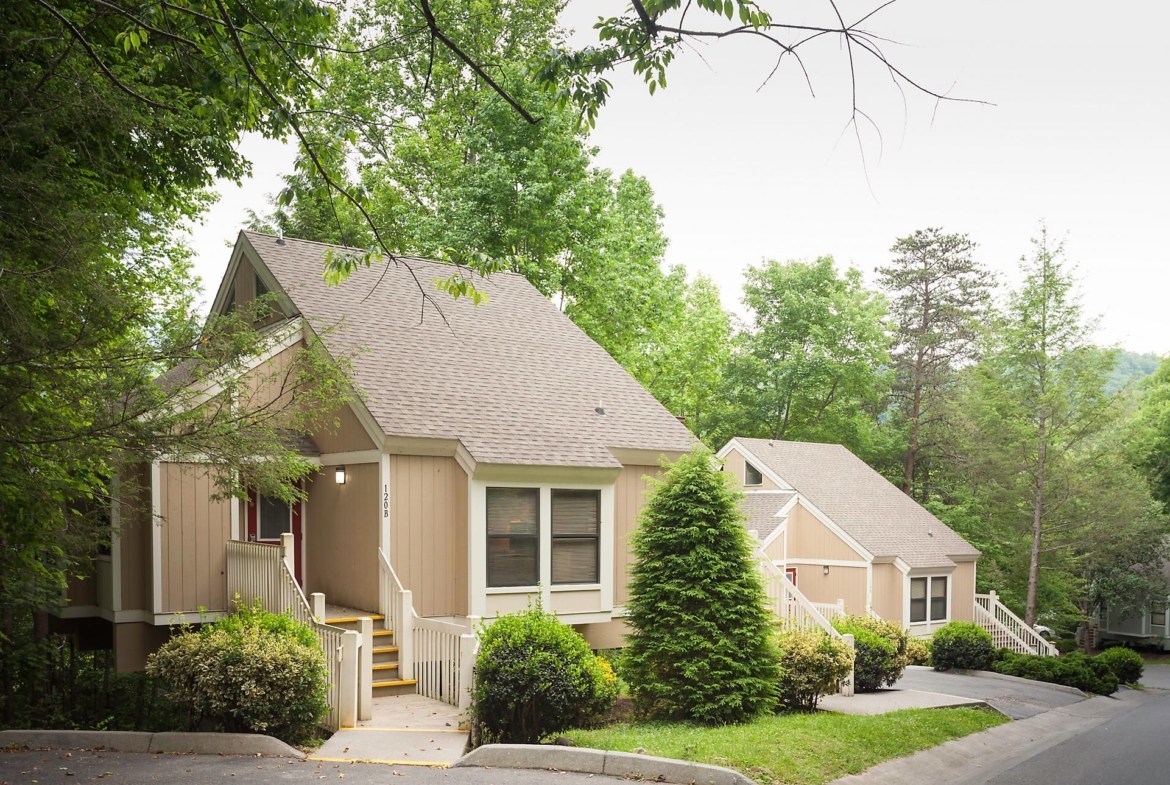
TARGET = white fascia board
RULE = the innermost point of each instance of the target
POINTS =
(286, 336)
(261, 269)
(833, 527)
(775, 534)
(356, 456)
(763, 467)
(829, 562)
(229, 275)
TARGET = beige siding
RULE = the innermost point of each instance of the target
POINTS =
(193, 532)
(342, 432)
(629, 496)
(887, 592)
(775, 549)
(272, 380)
(576, 601)
(963, 591)
(133, 641)
(82, 590)
(606, 635)
(341, 537)
(808, 538)
(842, 583)
(245, 283)
(428, 532)
(135, 543)
(734, 463)
(503, 604)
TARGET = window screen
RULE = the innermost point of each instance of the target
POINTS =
(752, 475)
(275, 518)
(917, 600)
(513, 529)
(576, 528)
(938, 599)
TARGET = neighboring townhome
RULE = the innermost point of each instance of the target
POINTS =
(497, 455)
(841, 531)
(1144, 627)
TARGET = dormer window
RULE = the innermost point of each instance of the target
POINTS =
(261, 289)
(751, 475)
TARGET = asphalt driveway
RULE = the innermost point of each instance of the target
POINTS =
(1157, 675)
(1017, 699)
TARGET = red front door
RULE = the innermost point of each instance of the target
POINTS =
(268, 518)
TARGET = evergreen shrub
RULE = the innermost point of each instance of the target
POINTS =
(811, 665)
(251, 672)
(701, 644)
(1127, 665)
(534, 677)
(918, 651)
(963, 645)
(1089, 674)
(881, 651)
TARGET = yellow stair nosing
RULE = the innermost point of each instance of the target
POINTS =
(398, 683)
(379, 633)
(384, 650)
(385, 666)
(350, 619)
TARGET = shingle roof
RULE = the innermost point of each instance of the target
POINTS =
(761, 507)
(513, 379)
(870, 509)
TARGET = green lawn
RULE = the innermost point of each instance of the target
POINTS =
(796, 748)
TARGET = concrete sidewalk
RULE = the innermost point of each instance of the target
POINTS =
(886, 701)
(405, 730)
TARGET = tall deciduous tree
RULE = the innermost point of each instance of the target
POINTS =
(808, 365)
(938, 295)
(1151, 433)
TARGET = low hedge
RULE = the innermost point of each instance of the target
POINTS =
(811, 665)
(1090, 674)
(918, 651)
(1127, 665)
(880, 651)
(964, 645)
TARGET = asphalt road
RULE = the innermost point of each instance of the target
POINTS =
(59, 767)
(1128, 748)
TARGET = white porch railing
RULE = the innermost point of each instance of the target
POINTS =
(1007, 629)
(830, 610)
(439, 655)
(265, 572)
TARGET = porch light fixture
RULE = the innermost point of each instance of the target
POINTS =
(339, 475)
(826, 569)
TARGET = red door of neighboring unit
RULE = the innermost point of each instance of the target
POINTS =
(268, 518)
(790, 574)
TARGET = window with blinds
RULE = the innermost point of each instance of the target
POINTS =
(576, 530)
(928, 600)
(938, 599)
(513, 533)
(275, 518)
(918, 600)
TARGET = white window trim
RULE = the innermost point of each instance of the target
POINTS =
(477, 521)
(749, 465)
(929, 580)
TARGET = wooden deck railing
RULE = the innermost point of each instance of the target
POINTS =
(830, 610)
(1007, 629)
(439, 655)
(265, 572)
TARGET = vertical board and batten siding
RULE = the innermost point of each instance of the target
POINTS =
(245, 282)
(428, 532)
(135, 546)
(808, 538)
(775, 549)
(629, 496)
(341, 431)
(963, 591)
(734, 463)
(887, 592)
(194, 528)
(341, 536)
(842, 583)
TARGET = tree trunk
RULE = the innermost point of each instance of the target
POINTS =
(912, 448)
(1037, 529)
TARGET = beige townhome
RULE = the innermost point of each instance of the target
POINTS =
(851, 542)
(497, 455)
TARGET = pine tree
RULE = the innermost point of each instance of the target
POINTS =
(701, 644)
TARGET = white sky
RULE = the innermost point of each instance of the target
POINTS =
(1077, 137)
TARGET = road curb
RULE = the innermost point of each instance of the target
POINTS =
(584, 760)
(249, 744)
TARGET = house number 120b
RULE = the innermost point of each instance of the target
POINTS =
(385, 501)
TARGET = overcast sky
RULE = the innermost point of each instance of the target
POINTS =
(1075, 134)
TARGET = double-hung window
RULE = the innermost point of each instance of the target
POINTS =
(1158, 616)
(928, 599)
(513, 534)
(576, 537)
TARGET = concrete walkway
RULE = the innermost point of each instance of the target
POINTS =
(885, 701)
(1016, 698)
(405, 730)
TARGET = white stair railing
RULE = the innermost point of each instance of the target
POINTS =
(1007, 629)
(256, 571)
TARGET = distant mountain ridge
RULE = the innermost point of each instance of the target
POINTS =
(1131, 367)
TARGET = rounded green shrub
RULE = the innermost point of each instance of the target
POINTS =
(1073, 670)
(918, 651)
(535, 677)
(251, 672)
(964, 645)
(1127, 665)
(701, 643)
(880, 651)
(811, 665)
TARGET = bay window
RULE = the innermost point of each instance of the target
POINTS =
(513, 537)
(576, 537)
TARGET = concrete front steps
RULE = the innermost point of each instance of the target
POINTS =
(386, 679)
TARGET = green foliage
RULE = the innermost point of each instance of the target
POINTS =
(257, 673)
(811, 665)
(535, 677)
(1127, 665)
(1150, 434)
(918, 651)
(963, 645)
(881, 651)
(1131, 369)
(701, 643)
(1072, 670)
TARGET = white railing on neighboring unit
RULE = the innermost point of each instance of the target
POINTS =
(830, 610)
(1007, 629)
(265, 572)
(873, 615)
(439, 655)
